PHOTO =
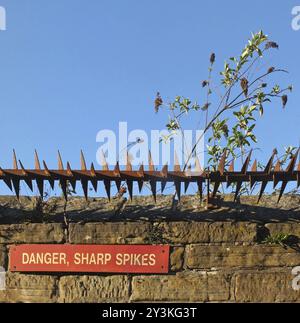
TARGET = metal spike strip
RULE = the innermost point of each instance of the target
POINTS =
(65, 176)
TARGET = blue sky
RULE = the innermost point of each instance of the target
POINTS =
(69, 68)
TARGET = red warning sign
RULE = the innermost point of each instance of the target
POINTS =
(89, 258)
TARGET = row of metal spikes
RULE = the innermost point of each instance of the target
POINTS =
(271, 173)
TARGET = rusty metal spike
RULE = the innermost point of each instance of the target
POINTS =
(82, 161)
(141, 182)
(27, 180)
(292, 163)
(151, 164)
(129, 182)
(40, 186)
(60, 162)
(267, 170)
(69, 169)
(254, 166)
(269, 166)
(72, 181)
(73, 184)
(164, 171)
(85, 184)
(153, 189)
(128, 163)
(107, 188)
(8, 183)
(298, 176)
(130, 188)
(278, 167)
(46, 168)
(231, 167)
(176, 163)
(163, 186)
(37, 164)
(252, 182)
(6, 179)
(140, 185)
(22, 168)
(262, 190)
(15, 163)
(178, 189)
(246, 164)
(94, 180)
(186, 186)
(50, 180)
(104, 162)
(117, 170)
(283, 187)
(221, 167)
(188, 172)
(200, 188)
(16, 185)
(208, 191)
(52, 183)
(198, 167)
(93, 171)
(253, 170)
(94, 184)
(276, 170)
(118, 174)
(142, 171)
(289, 170)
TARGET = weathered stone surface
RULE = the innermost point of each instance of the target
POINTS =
(3, 256)
(264, 286)
(185, 232)
(206, 256)
(93, 289)
(243, 232)
(218, 286)
(111, 233)
(291, 228)
(177, 258)
(31, 233)
(182, 287)
(205, 232)
(29, 289)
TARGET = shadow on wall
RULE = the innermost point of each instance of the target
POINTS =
(30, 209)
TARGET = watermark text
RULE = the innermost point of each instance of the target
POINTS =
(296, 19)
(165, 147)
(2, 18)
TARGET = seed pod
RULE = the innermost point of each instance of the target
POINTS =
(244, 86)
(205, 83)
(212, 58)
(158, 102)
(284, 99)
(272, 44)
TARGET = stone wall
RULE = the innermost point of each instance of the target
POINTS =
(217, 255)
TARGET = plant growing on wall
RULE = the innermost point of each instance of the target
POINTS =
(230, 111)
